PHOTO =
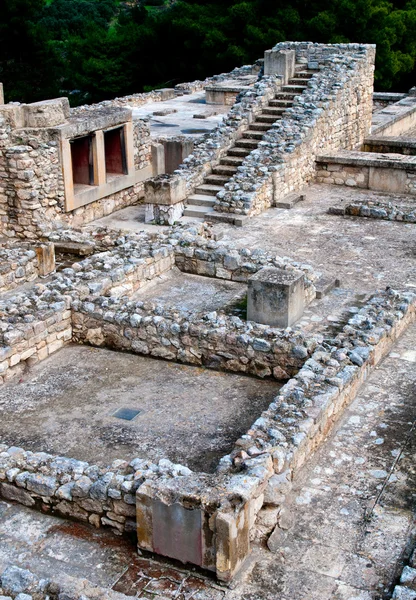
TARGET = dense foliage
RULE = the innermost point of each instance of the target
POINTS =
(96, 49)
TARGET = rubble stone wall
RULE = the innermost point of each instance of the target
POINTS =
(215, 341)
(17, 266)
(35, 340)
(376, 209)
(333, 112)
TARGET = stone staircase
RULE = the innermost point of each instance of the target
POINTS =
(200, 204)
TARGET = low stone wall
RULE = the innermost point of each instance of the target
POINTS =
(36, 322)
(333, 112)
(212, 340)
(76, 489)
(222, 261)
(377, 210)
(34, 338)
(372, 171)
(300, 418)
(17, 266)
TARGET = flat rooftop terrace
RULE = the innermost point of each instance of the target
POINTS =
(179, 117)
(66, 405)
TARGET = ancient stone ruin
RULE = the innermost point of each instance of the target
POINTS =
(206, 354)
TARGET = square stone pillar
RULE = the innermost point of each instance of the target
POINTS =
(276, 297)
(280, 62)
(1, 94)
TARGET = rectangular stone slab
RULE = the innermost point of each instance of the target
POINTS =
(177, 532)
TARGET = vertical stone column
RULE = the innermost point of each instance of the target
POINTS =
(1, 94)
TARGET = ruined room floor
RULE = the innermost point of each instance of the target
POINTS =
(191, 292)
(351, 512)
(190, 415)
(365, 254)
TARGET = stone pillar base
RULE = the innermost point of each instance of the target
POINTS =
(276, 297)
(163, 215)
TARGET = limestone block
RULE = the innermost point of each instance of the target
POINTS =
(280, 62)
(276, 297)
(232, 542)
(158, 159)
(164, 190)
(12, 114)
(47, 113)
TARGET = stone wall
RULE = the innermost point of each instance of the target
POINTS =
(333, 112)
(215, 259)
(36, 322)
(376, 209)
(212, 340)
(34, 338)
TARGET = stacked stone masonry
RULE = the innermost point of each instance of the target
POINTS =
(18, 265)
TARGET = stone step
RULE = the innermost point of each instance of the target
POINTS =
(294, 89)
(273, 110)
(201, 200)
(266, 119)
(224, 170)
(281, 103)
(260, 126)
(215, 179)
(238, 152)
(198, 212)
(299, 81)
(248, 143)
(303, 75)
(253, 135)
(288, 97)
(234, 161)
(211, 190)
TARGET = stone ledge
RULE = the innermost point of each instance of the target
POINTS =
(373, 159)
